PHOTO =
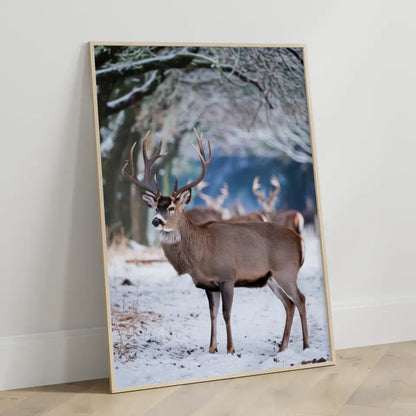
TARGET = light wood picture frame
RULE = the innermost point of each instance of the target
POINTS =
(241, 115)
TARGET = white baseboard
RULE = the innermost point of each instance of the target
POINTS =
(364, 322)
(53, 357)
(82, 354)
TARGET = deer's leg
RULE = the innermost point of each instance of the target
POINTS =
(300, 303)
(289, 308)
(227, 293)
(288, 284)
(214, 303)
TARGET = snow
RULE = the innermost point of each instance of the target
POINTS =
(161, 324)
(136, 246)
(109, 133)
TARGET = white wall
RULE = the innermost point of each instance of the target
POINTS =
(362, 73)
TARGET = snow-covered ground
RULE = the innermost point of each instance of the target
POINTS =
(161, 324)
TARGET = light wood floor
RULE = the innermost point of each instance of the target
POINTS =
(379, 380)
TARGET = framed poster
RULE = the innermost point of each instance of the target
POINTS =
(211, 227)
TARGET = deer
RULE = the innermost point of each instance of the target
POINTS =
(291, 219)
(221, 256)
(213, 211)
(201, 215)
(217, 202)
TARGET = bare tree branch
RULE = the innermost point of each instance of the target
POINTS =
(296, 54)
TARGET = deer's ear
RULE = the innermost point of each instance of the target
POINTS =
(150, 201)
(185, 197)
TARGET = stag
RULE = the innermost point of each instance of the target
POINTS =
(291, 219)
(213, 202)
(213, 211)
(220, 256)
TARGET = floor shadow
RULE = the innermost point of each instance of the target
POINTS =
(99, 386)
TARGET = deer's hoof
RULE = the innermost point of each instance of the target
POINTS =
(282, 347)
(230, 350)
(213, 350)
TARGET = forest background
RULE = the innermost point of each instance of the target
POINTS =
(250, 101)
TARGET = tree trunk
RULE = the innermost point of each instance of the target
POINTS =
(139, 215)
(112, 169)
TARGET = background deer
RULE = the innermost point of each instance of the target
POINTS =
(213, 211)
(220, 256)
(214, 202)
(291, 219)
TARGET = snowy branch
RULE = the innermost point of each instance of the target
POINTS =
(232, 70)
(134, 95)
(296, 54)
(282, 143)
(286, 148)
(174, 60)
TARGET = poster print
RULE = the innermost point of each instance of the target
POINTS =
(212, 242)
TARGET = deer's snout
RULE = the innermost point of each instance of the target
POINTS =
(156, 222)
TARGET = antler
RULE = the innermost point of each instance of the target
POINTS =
(212, 202)
(204, 161)
(207, 198)
(273, 194)
(256, 190)
(202, 185)
(148, 162)
(224, 194)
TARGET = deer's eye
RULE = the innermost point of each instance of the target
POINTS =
(171, 209)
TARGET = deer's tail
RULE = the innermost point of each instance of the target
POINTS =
(302, 252)
(299, 222)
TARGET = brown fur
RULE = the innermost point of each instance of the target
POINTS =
(200, 215)
(250, 217)
(290, 219)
